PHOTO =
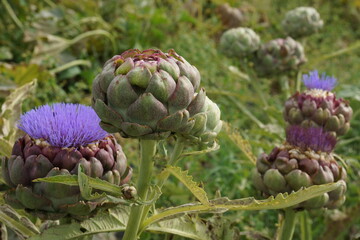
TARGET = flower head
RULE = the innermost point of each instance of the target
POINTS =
(314, 138)
(314, 81)
(63, 124)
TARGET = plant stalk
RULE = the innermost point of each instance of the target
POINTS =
(175, 156)
(148, 148)
(288, 225)
(305, 226)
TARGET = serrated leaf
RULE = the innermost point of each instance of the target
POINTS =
(72, 180)
(85, 188)
(240, 142)
(111, 220)
(184, 226)
(187, 180)
(20, 224)
(11, 109)
(224, 204)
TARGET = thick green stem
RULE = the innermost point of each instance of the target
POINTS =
(175, 156)
(148, 148)
(305, 226)
(288, 225)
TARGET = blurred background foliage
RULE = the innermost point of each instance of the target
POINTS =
(64, 43)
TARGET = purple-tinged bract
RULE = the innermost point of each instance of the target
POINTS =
(315, 81)
(63, 124)
(314, 138)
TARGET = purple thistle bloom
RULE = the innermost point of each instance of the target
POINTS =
(314, 81)
(314, 138)
(63, 124)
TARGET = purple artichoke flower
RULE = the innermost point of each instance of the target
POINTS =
(59, 138)
(313, 138)
(315, 81)
(63, 124)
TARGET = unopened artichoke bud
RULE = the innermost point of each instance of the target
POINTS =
(230, 17)
(279, 56)
(239, 42)
(59, 138)
(207, 124)
(305, 159)
(147, 94)
(318, 106)
(302, 21)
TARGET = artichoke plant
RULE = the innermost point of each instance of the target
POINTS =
(58, 139)
(239, 42)
(318, 106)
(305, 159)
(148, 94)
(302, 21)
(278, 56)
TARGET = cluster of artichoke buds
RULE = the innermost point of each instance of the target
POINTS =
(302, 21)
(318, 106)
(59, 139)
(150, 95)
(305, 159)
(278, 56)
(316, 118)
(239, 42)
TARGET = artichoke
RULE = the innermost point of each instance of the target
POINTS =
(318, 106)
(147, 94)
(207, 124)
(304, 160)
(278, 56)
(230, 17)
(302, 21)
(239, 42)
(58, 139)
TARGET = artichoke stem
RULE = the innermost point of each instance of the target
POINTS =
(174, 158)
(285, 86)
(305, 226)
(148, 148)
(288, 225)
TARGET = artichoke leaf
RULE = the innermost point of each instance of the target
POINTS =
(96, 183)
(20, 224)
(187, 180)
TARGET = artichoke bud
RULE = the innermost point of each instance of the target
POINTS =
(318, 106)
(239, 42)
(302, 22)
(279, 56)
(206, 124)
(129, 192)
(149, 94)
(59, 139)
(305, 159)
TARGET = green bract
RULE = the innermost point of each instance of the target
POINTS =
(147, 94)
(289, 168)
(207, 123)
(302, 21)
(239, 42)
(278, 56)
(32, 159)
